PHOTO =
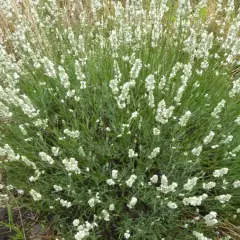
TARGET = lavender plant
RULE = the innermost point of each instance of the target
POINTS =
(121, 121)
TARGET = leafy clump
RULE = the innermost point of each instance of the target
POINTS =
(121, 121)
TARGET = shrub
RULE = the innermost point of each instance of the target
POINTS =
(122, 121)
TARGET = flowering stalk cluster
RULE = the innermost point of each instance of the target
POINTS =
(122, 117)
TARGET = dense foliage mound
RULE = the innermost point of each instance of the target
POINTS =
(121, 121)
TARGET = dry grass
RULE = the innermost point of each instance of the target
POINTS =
(227, 228)
(23, 8)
